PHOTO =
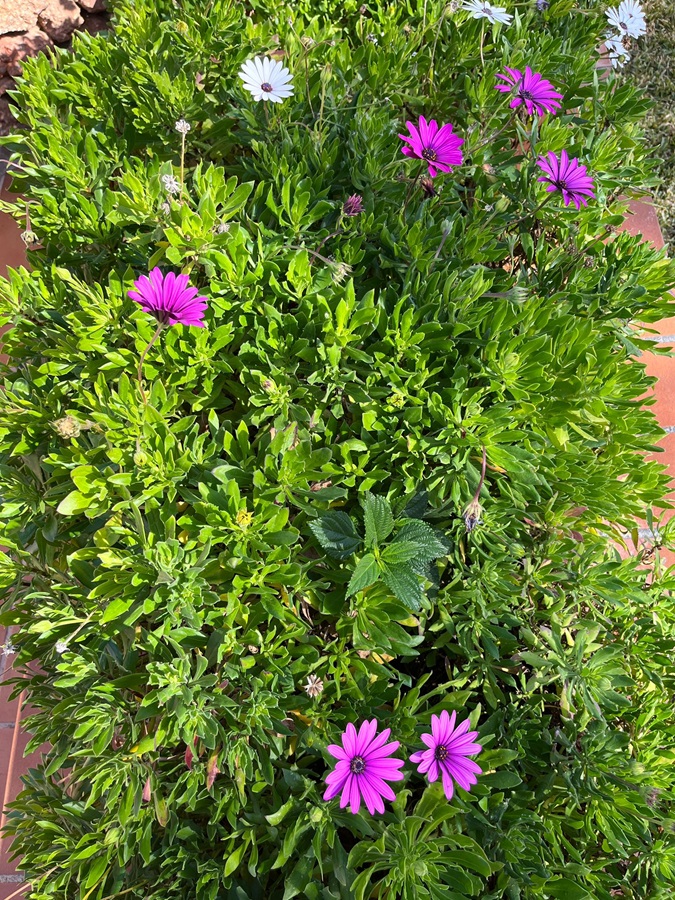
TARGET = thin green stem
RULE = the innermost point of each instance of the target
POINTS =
(534, 211)
(157, 333)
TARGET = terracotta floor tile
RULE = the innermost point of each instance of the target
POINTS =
(643, 219)
(12, 248)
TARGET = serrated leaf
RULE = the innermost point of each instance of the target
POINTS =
(366, 573)
(399, 552)
(378, 519)
(431, 545)
(337, 534)
(404, 585)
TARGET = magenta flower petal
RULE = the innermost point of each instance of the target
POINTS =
(568, 176)
(337, 751)
(530, 88)
(447, 753)
(169, 299)
(363, 768)
(439, 147)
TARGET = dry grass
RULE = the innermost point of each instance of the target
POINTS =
(653, 68)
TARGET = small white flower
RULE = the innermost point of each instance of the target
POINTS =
(372, 39)
(222, 228)
(266, 79)
(8, 649)
(171, 184)
(628, 19)
(182, 127)
(61, 646)
(618, 54)
(314, 686)
(481, 9)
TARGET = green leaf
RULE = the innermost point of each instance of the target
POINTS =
(399, 552)
(564, 889)
(468, 860)
(404, 585)
(337, 534)
(366, 573)
(431, 545)
(377, 517)
(73, 504)
(116, 609)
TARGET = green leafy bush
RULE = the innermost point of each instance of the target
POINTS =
(295, 497)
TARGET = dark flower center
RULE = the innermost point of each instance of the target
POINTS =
(429, 154)
(526, 95)
(561, 184)
(441, 753)
(266, 86)
(357, 766)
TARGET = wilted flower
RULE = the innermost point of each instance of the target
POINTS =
(182, 127)
(568, 176)
(542, 5)
(29, 238)
(314, 686)
(481, 9)
(67, 427)
(538, 94)
(341, 271)
(165, 208)
(427, 185)
(438, 146)
(171, 299)
(363, 767)
(222, 227)
(170, 184)
(628, 19)
(372, 39)
(266, 79)
(472, 515)
(353, 206)
(447, 751)
(618, 54)
(652, 797)
(61, 646)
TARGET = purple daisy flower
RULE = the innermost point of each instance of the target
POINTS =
(538, 94)
(438, 146)
(171, 300)
(363, 767)
(448, 748)
(566, 175)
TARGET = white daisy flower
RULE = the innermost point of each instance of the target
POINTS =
(182, 127)
(628, 19)
(171, 184)
(618, 54)
(266, 79)
(481, 9)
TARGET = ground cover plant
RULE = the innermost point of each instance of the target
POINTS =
(323, 419)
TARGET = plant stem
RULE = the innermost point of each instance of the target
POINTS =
(411, 188)
(329, 236)
(157, 333)
(492, 137)
(534, 211)
(482, 477)
(182, 163)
